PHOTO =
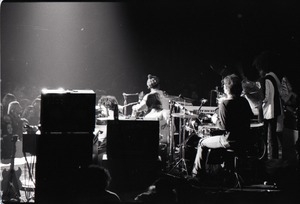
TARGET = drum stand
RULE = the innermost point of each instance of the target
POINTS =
(181, 164)
(171, 142)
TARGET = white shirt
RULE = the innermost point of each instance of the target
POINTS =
(163, 118)
(268, 102)
(142, 105)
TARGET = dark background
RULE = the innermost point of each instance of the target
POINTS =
(111, 47)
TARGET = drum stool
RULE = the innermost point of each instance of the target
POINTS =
(232, 163)
(229, 161)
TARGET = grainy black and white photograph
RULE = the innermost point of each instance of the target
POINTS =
(150, 101)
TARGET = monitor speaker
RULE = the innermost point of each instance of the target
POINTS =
(132, 153)
(132, 139)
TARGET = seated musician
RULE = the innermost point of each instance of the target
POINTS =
(154, 86)
(234, 117)
(106, 107)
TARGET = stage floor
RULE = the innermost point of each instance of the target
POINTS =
(286, 190)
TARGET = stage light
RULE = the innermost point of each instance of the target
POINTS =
(60, 89)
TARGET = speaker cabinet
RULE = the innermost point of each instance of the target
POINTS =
(59, 159)
(29, 143)
(132, 153)
(68, 111)
(131, 139)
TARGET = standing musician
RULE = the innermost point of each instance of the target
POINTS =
(234, 117)
(154, 85)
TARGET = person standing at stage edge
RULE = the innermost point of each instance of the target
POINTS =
(154, 85)
(271, 104)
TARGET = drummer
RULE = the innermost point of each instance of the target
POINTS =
(154, 85)
(234, 117)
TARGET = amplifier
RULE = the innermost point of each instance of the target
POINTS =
(132, 153)
(132, 139)
(67, 111)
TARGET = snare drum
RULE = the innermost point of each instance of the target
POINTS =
(209, 129)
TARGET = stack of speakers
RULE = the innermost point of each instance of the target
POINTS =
(66, 142)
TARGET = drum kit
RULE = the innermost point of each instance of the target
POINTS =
(200, 126)
(183, 123)
(190, 123)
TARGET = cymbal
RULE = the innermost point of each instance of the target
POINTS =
(171, 97)
(179, 98)
(183, 115)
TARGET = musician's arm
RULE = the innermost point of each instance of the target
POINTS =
(141, 105)
(221, 116)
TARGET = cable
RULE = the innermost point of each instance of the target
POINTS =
(29, 168)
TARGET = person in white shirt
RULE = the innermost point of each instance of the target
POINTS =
(271, 104)
(153, 84)
(156, 112)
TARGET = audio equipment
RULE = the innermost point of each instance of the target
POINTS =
(65, 145)
(59, 158)
(132, 152)
(67, 111)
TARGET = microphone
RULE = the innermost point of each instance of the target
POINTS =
(203, 100)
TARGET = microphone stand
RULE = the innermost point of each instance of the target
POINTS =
(181, 163)
(171, 133)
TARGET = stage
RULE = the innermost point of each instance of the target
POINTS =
(271, 181)
(283, 189)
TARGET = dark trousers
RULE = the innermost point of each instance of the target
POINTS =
(271, 139)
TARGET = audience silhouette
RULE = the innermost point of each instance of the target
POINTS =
(93, 186)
